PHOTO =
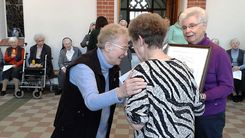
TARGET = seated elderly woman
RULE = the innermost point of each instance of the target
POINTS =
(68, 53)
(237, 56)
(38, 53)
(14, 55)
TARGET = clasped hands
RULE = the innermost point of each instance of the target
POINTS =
(235, 68)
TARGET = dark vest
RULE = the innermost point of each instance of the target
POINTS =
(240, 56)
(239, 62)
(73, 118)
(18, 56)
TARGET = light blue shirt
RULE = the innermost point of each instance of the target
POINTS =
(234, 56)
(84, 78)
(175, 35)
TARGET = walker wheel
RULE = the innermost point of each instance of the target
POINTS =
(19, 94)
(37, 94)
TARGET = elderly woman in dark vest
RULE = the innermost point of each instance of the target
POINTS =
(68, 53)
(14, 55)
(92, 89)
(238, 64)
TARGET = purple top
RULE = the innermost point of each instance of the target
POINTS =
(219, 81)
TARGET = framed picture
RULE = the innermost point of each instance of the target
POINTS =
(196, 57)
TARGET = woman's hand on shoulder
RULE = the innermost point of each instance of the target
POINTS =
(130, 87)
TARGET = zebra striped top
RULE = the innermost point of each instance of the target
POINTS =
(170, 102)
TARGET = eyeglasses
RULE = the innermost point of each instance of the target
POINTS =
(190, 26)
(124, 48)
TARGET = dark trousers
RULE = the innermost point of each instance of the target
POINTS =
(238, 86)
(210, 126)
(12, 73)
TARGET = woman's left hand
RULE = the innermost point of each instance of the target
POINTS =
(130, 87)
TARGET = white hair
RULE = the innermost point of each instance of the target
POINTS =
(13, 39)
(194, 11)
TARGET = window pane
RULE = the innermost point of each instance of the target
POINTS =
(14, 16)
(134, 14)
(136, 7)
(123, 14)
(159, 4)
(139, 4)
(124, 4)
(149, 2)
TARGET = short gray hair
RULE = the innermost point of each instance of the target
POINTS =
(194, 11)
(110, 33)
(235, 40)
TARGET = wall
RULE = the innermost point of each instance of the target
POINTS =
(106, 8)
(57, 19)
(199, 3)
(182, 5)
(2, 19)
(226, 21)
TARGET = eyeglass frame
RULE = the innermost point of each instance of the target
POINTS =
(190, 26)
(124, 48)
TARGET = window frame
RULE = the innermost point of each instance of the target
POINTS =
(7, 25)
(171, 10)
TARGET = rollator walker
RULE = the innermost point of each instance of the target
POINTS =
(34, 78)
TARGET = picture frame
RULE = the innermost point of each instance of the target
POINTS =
(196, 57)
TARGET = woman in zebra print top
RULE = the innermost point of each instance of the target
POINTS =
(170, 102)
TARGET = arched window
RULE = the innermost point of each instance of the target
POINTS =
(129, 9)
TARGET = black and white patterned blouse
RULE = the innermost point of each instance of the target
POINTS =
(170, 102)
